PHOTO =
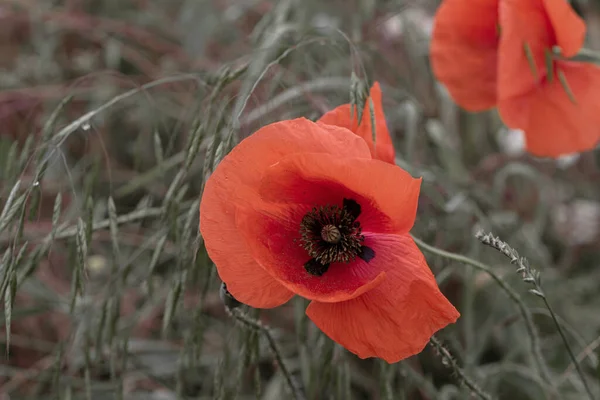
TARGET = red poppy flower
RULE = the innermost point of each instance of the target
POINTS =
(556, 102)
(382, 149)
(464, 51)
(295, 209)
(499, 53)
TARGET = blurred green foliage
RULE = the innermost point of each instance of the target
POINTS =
(114, 113)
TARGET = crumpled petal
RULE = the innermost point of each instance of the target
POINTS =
(387, 194)
(531, 95)
(463, 51)
(383, 148)
(301, 181)
(395, 319)
(552, 123)
(535, 25)
(568, 27)
(236, 181)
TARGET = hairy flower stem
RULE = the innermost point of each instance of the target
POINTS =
(534, 340)
(449, 361)
(532, 276)
(250, 323)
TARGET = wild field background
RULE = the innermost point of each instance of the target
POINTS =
(113, 114)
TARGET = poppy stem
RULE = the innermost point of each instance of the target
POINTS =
(534, 339)
(532, 276)
(583, 55)
(450, 362)
(250, 323)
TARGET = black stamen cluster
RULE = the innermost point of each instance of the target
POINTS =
(331, 234)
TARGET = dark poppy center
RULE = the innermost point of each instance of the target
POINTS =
(332, 234)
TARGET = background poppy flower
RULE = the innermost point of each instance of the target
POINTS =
(382, 149)
(294, 209)
(490, 52)
(556, 102)
(464, 51)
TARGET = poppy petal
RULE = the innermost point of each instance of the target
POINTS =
(340, 116)
(394, 320)
(529, 31)
(463, 51)
(313, 179)
(382, 149)
(236, 180)
(272, 234)
(552, 123)
(568, 27)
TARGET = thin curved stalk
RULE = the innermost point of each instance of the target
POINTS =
(534, 340)
(248, 322)
(449, 361)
